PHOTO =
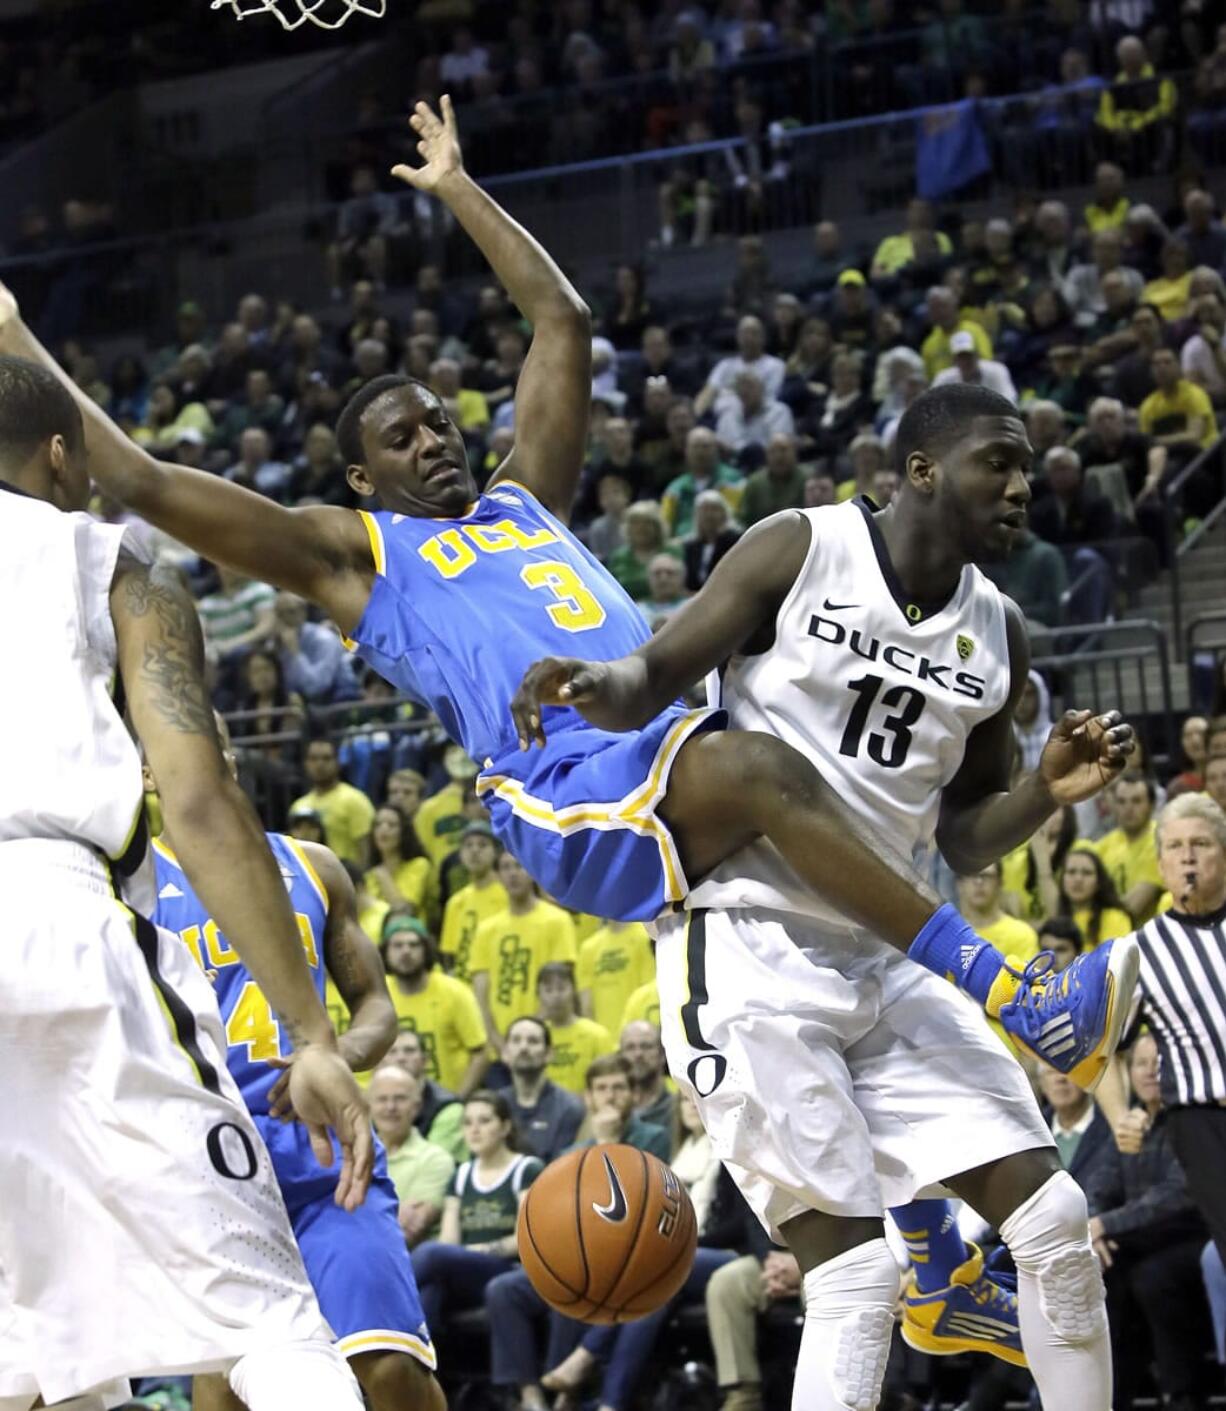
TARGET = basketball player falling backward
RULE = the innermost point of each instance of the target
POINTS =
(357, 1261)
(838, 1079)
(141, 1230)
(452, 594)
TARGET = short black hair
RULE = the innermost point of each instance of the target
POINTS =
(1063, 928)
(349, 423)
(937, 417)
(34, 406)
(1139, 776)
(533, 1019)
(557, 970)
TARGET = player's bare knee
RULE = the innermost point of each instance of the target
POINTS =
(395, 1381)
(1049, 1238)
(767, 771)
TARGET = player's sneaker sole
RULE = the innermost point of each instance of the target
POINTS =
(949, 1344)
(1123, 972)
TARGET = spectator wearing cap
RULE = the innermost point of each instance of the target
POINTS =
(705, 470)
(420, 1171)
(750, 356)
(1070, 513)
(1108, 209)
(895, 251)
(779, 485)
(441, 1011)
(306, 825)
(1169, 293)
(852, 311)
(946, 319)
(1138, 109)
(749, 418)
(190, 448)
(1201, 232)
(347, 813)
(712, 537)
(968, 366)
(1083, 288)
(481, 897)
(665, 590)
(440, 820)
(646, 533)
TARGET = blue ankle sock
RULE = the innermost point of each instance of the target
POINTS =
(950, 948)
(933, 1241)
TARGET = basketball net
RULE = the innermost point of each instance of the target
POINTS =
(327, 14)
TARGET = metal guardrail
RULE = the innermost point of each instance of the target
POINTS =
(1211, 457)
(1097, 677)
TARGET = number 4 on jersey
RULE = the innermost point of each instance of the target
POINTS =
(889, 751)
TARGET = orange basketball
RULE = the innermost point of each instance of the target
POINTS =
(607, 1234)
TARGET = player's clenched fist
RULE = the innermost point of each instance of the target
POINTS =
(557, 681)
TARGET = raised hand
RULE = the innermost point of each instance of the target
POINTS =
(560, 681)
(8, 305)
(1084, 753)
(438, 145)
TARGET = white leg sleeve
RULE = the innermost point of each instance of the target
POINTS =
(309, 1376)
(1061, 1302)
(849, 1316)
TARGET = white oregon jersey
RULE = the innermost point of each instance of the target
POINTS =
(878, 691)
(68, 766)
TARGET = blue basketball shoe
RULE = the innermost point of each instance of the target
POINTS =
(1073, 1020)
(977, 1312)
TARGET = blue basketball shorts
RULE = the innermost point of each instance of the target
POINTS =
(580, 814)
(357, 1261)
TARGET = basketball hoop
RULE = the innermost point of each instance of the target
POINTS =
(327, 14)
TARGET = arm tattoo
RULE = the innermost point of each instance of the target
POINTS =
(172, 659)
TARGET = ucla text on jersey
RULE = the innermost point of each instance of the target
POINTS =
(253, 1031)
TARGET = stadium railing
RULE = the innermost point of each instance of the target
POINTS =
(598, 211)
(1114, 673)
(1210, 462)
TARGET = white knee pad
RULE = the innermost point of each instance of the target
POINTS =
(849, 1306)
(1049, 1239)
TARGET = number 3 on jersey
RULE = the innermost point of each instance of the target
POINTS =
(888, 750)
(576, 608)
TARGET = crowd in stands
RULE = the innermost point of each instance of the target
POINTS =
(525, 1029)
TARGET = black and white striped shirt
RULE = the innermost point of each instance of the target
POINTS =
(1183, 1000)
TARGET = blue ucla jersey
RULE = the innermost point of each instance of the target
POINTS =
(460, 608)
(253, 1031)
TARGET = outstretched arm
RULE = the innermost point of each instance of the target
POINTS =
(737, 605)
(982, 818)
(321, 553)
(554, 394)
(222, 846)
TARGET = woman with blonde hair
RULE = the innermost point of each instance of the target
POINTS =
(646, 535)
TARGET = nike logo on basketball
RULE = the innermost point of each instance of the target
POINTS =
(828, 606)
(615, 1211)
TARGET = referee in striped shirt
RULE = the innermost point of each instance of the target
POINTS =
(1182, 1000)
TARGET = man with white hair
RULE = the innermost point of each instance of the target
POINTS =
(1070, 513)
(750, 417)
(968, 366)
(1181, 999)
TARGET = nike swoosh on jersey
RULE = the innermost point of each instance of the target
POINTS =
(828, 606)
(615, 1211)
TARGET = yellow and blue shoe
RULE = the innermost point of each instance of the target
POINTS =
(1072, 1020)
(977, 1312)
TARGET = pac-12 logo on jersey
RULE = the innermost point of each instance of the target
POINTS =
(900, 658)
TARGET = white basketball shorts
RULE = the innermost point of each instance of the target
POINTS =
(141, 1228)
(831, 1072)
